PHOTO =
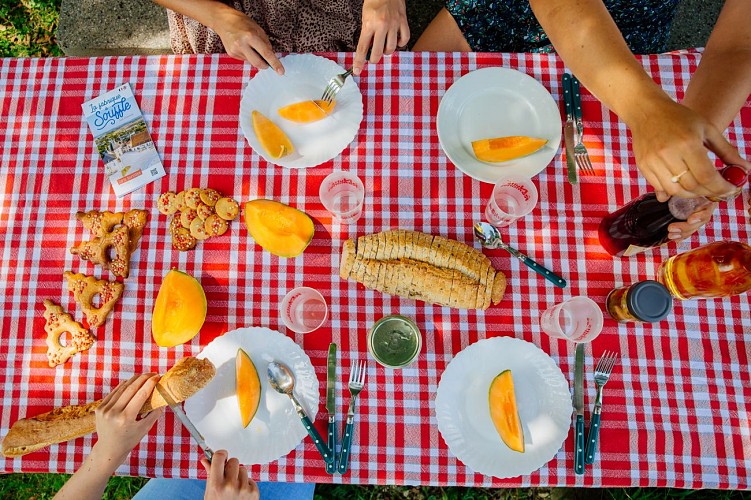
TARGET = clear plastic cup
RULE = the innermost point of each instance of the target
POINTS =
(578, 319)
(342, 194)
(303, 310)
(513, 197)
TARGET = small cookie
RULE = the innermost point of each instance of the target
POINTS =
(180, 201)
(174, 224)
(167, 203)
(97, 251)
(198, 229)
(59, 322)
(210, 196)
(204, 211)
(193, 197)
(187, 216)
(182, 240)
(216, 226)
(135, 221)
(99, 223)
(227, 208)
(85, 288)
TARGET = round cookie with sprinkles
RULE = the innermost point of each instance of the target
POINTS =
(182, 240)
(210, 196)
(193, 197)
(167, 203)
(216, 226)
(198, 229)
(227, 208)
(204, 211)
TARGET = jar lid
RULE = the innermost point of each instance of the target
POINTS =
(649, 301)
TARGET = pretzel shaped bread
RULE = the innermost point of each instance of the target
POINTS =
(85, 288)
(58, 323)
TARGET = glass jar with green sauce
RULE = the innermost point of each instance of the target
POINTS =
(394, 341)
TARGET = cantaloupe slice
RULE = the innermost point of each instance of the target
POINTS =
(179, 310)
(273, 140)
(248, 386)
(506, 148)
(503, 411)
(280, 229)
(307, 111)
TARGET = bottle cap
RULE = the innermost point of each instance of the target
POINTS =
(649, 301)
(735, 175)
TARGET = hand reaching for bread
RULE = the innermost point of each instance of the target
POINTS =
(118, 427)
(187, 377)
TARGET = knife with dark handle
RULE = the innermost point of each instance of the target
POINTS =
(331, 405)
(579, 406)
(182, 417)
(569, 129)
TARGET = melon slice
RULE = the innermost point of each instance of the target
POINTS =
(307, 111)
(501, 149)
(273, 140)
(503, 411)
(248, 387)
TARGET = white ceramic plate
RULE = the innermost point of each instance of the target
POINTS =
(306, 75)
(276, 429)
(542, 397)
(497, 102)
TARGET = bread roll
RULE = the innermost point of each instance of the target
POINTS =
(187, 377)
(423, 267)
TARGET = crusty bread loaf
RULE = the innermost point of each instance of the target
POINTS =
(420, 266)
(183, 380)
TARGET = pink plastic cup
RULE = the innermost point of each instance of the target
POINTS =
(513, 197)
(303, 310)
(578, 319)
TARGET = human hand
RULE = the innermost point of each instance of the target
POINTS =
(227, 479)
(243, 39)
(671, 142)
(679, 231)
(118, 427)
(385, 27)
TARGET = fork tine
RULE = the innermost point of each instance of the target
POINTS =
(353, 372)
(588, 162)
(363, 373)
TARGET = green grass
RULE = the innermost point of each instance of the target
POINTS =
(27, 29)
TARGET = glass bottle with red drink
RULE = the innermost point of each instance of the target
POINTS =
(643, 222)
(718, 269)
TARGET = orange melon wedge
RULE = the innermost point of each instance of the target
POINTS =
(506, 148)
(307, 111)
(248, 386)
(273, 140)
(503, 411)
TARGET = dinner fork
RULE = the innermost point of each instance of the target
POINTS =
(337, 82)
(602, 374)
(356, 384)
(335, 85)
(580, 151)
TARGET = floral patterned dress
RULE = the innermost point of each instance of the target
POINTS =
(510, 25)
(291, 25)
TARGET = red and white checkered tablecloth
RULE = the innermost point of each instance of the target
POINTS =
(676, 410)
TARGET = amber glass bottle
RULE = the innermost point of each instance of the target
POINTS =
(718, 269)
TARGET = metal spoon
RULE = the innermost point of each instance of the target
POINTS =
(282, 380)
(490, 237)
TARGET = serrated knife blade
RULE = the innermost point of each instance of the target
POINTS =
(182, 417)
(331, 405)
(579, 406)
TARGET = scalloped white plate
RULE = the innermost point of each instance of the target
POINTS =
(306, 75)
(542, 397)
(497, 102)
(276, 429)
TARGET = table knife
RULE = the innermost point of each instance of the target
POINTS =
(331, 405)
(182, 417)
(579, 407)
(569, 128)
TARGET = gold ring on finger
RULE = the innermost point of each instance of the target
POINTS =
(677, 178)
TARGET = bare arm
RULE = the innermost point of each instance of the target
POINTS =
(722, 82)
(384, 27)
(241, 36)
(668, 138)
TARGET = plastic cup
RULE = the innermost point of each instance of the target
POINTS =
(578, 319)
(514, 196)
(303, 310)
(342, 194)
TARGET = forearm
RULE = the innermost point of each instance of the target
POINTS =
(588, 40)
(722, 82)
(207, 12)
(91, 478)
